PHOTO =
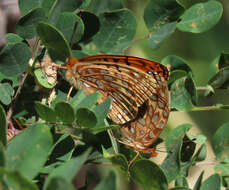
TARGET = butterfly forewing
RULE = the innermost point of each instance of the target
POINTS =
(122, 79)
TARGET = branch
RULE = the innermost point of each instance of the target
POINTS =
(10, 111)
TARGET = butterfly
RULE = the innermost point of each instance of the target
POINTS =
(138, 89)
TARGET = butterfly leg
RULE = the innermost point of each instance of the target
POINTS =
(69, 93)
(136, 156)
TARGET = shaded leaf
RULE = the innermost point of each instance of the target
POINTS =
(26, 26)
(3, 126)
(14, 59)
(59, 183)
(91, 25)
(86, 118)
(65, 112)
(2, 156)
(116, 32)
(148, 175)
(26, 6)
(118, 160)
(108, 182)
(211, 183)
(181, 181)
(54, 41)
(67, 23)
(198, 183)
(16, 181)
(69, 169)
(55, 8)
(45, 112)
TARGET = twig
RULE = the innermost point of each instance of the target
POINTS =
(10, 111)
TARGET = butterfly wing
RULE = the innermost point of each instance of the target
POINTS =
(130, 81)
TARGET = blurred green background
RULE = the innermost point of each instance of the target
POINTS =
(199, 50)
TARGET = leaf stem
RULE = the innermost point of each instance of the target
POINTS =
(204, 108)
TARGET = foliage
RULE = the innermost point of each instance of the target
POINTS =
(61, 137)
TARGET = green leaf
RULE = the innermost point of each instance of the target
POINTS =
(181, 181)
(65, 112)
(159, 13)
(59, 183)
(220, 80)
(68, 23)
(222, 169)
(148, 175)
(54, 41)
(29, 158)
(97, 129)
(209, 91)
(211, 183)
(17, 181)
(63, 148)
(198, 182)
(171, 164)
(187, 3)
(69, 169)
(108, 182)
(13, 38)
(118, 160)
(101, 111)
(158, 36)
(78, 54)
(177, 66)
(183, 94)
(83, 101)
(214, 67)
(100, 6)
(41, 78)
(26, 6)
(2, 156)
(3, 126)
(14, 59)
(54, 8)
(201, 153)
(180, 188)
(14, 79)
(176, 136)
(86, 118)
(117, 31)
(45, 112)
(26, 26)
(201, 17)
(6, 92)
(175, 63)
(220, 143)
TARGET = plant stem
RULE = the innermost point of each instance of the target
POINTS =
(205, 108)
(10, 111)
